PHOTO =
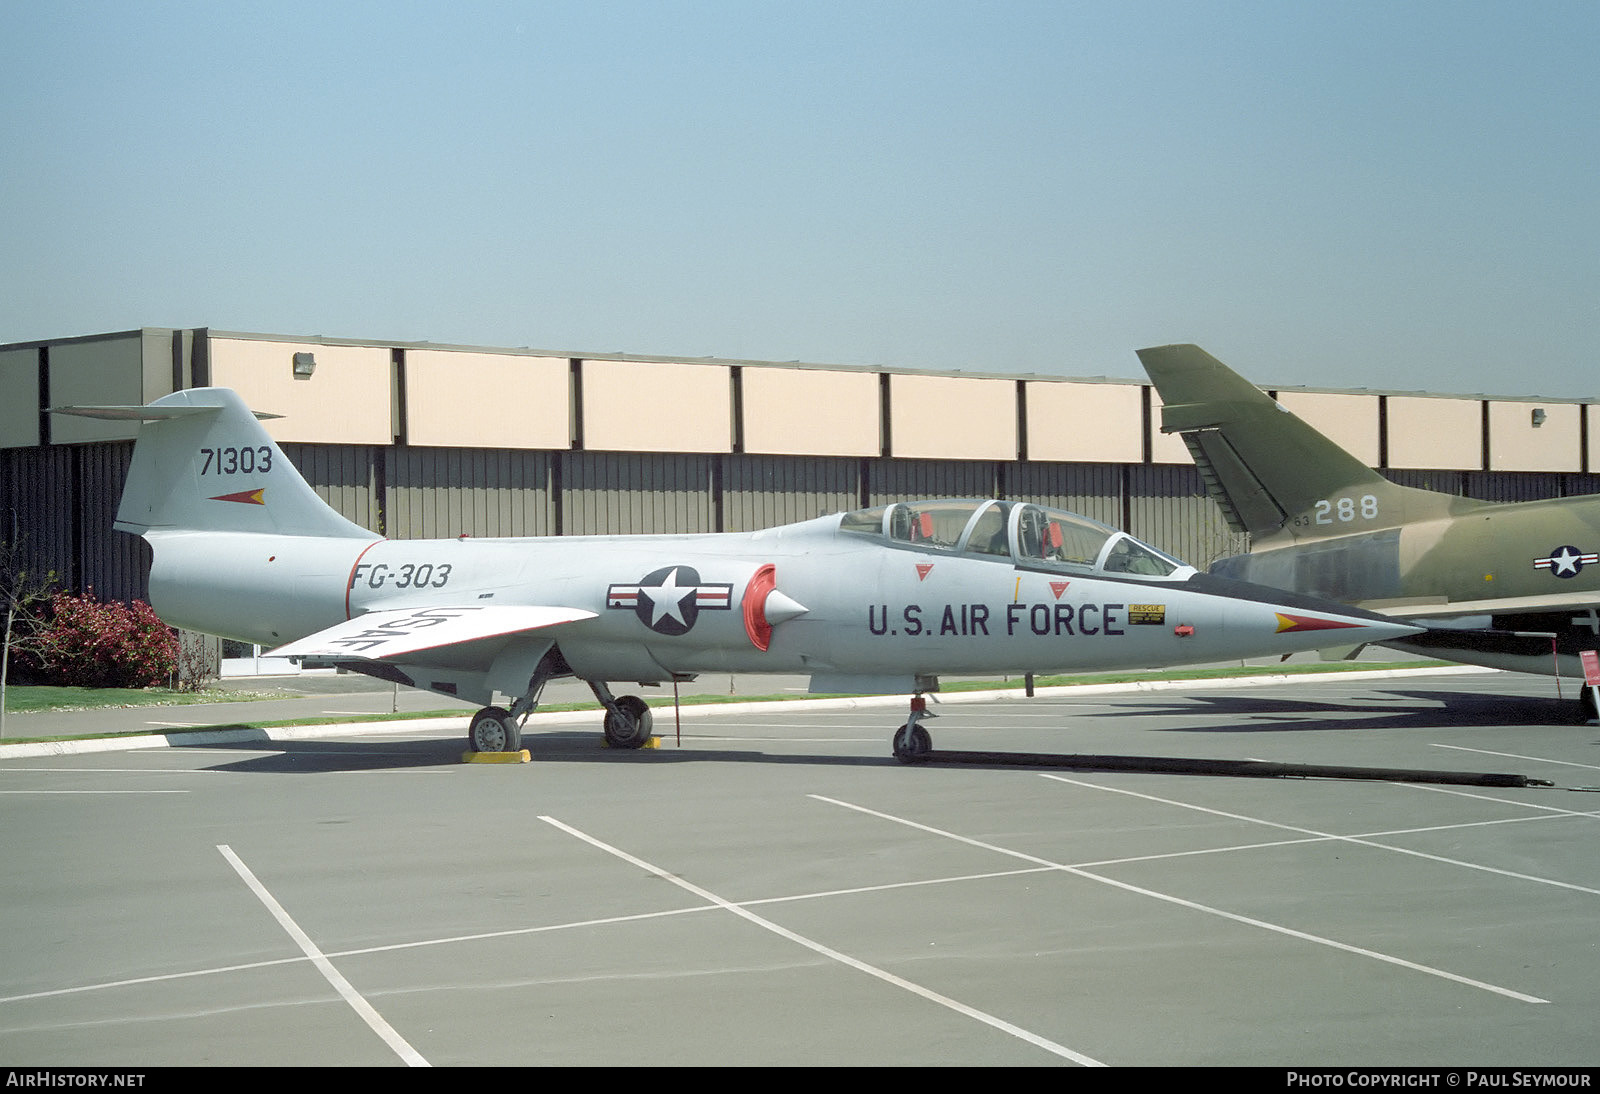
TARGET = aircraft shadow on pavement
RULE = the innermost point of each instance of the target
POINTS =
(310, 757)
(1261, 714)
(1221, 714)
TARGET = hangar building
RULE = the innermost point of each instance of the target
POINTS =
(420, 440)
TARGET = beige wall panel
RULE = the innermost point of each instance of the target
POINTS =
(952, 417)
(1516, 444)
(1435, 434)
(1350, 421)
(486, 400)
(1165, 447)
(19, 410)
(156, 350)
(346, 401)
(1592, 413)
(640, 406)
(810, 412)
(1085, 423)
(105, 371)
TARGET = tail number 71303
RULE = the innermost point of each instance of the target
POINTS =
(236, 461)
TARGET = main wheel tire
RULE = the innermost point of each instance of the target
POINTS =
(494, 730)
(629, 725)
(911, 743)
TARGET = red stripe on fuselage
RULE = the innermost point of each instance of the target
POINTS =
(349, 582)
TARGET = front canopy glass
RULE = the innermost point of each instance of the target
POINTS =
(1032, 535)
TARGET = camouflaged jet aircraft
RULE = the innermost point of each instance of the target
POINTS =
(880, 600)
(1493, 580)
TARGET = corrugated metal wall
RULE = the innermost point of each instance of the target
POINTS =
(1577, 485)
(64, 497)
(59, 504)
(766, 491)
(1513, 485)
(342, 475)
(1168, 508)
(435, 493)
(1445, 482)
(906, 480)
(1093, 489)
(118, 569)
(35, 485)
(625, 493)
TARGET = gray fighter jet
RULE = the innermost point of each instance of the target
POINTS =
(882, 600)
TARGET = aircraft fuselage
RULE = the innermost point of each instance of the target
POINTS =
(665, 605)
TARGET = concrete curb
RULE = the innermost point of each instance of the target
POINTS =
(458, 724)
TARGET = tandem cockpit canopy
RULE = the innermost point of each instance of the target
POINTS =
(1029, 535)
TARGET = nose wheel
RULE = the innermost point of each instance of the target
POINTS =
(911, 742)
(628, 720)
(628, 724)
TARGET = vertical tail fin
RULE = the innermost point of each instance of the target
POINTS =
(1262, 465)
(204, 463)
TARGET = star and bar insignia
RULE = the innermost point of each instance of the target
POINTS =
(670, 599)
(1566, 561)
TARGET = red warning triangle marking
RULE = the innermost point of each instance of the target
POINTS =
(923, 570)
(247, 497)
(1059, 587)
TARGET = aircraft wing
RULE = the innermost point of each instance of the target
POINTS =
(1438, 607)
(401, 632)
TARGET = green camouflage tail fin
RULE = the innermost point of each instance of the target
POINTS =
(1265, 468)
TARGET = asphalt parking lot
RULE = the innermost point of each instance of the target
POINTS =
(777, 890)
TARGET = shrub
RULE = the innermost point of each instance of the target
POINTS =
(90, 644)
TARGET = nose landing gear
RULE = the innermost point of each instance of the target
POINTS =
(628, 719)
(911, 742)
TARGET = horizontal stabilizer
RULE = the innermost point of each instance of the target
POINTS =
(388, 635)
(145, 413)
(1581, 600)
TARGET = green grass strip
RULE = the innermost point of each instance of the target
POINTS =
(81, 698)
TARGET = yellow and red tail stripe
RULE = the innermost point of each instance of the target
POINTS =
(1288, 623)
(247, 497)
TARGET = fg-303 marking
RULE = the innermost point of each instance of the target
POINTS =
(410, 575)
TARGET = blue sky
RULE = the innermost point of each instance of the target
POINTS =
(1343, 194)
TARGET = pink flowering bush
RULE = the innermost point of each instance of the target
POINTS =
(95, 645)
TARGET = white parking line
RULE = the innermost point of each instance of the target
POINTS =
(832, 954)
(1518, 756)
(1190, 904)
(1356, 839)
(367, 1012)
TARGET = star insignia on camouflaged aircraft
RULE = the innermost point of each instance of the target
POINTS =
(1566, 561)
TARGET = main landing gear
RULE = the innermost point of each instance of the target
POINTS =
(911, 742)
(628, 723)
(493, 729)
